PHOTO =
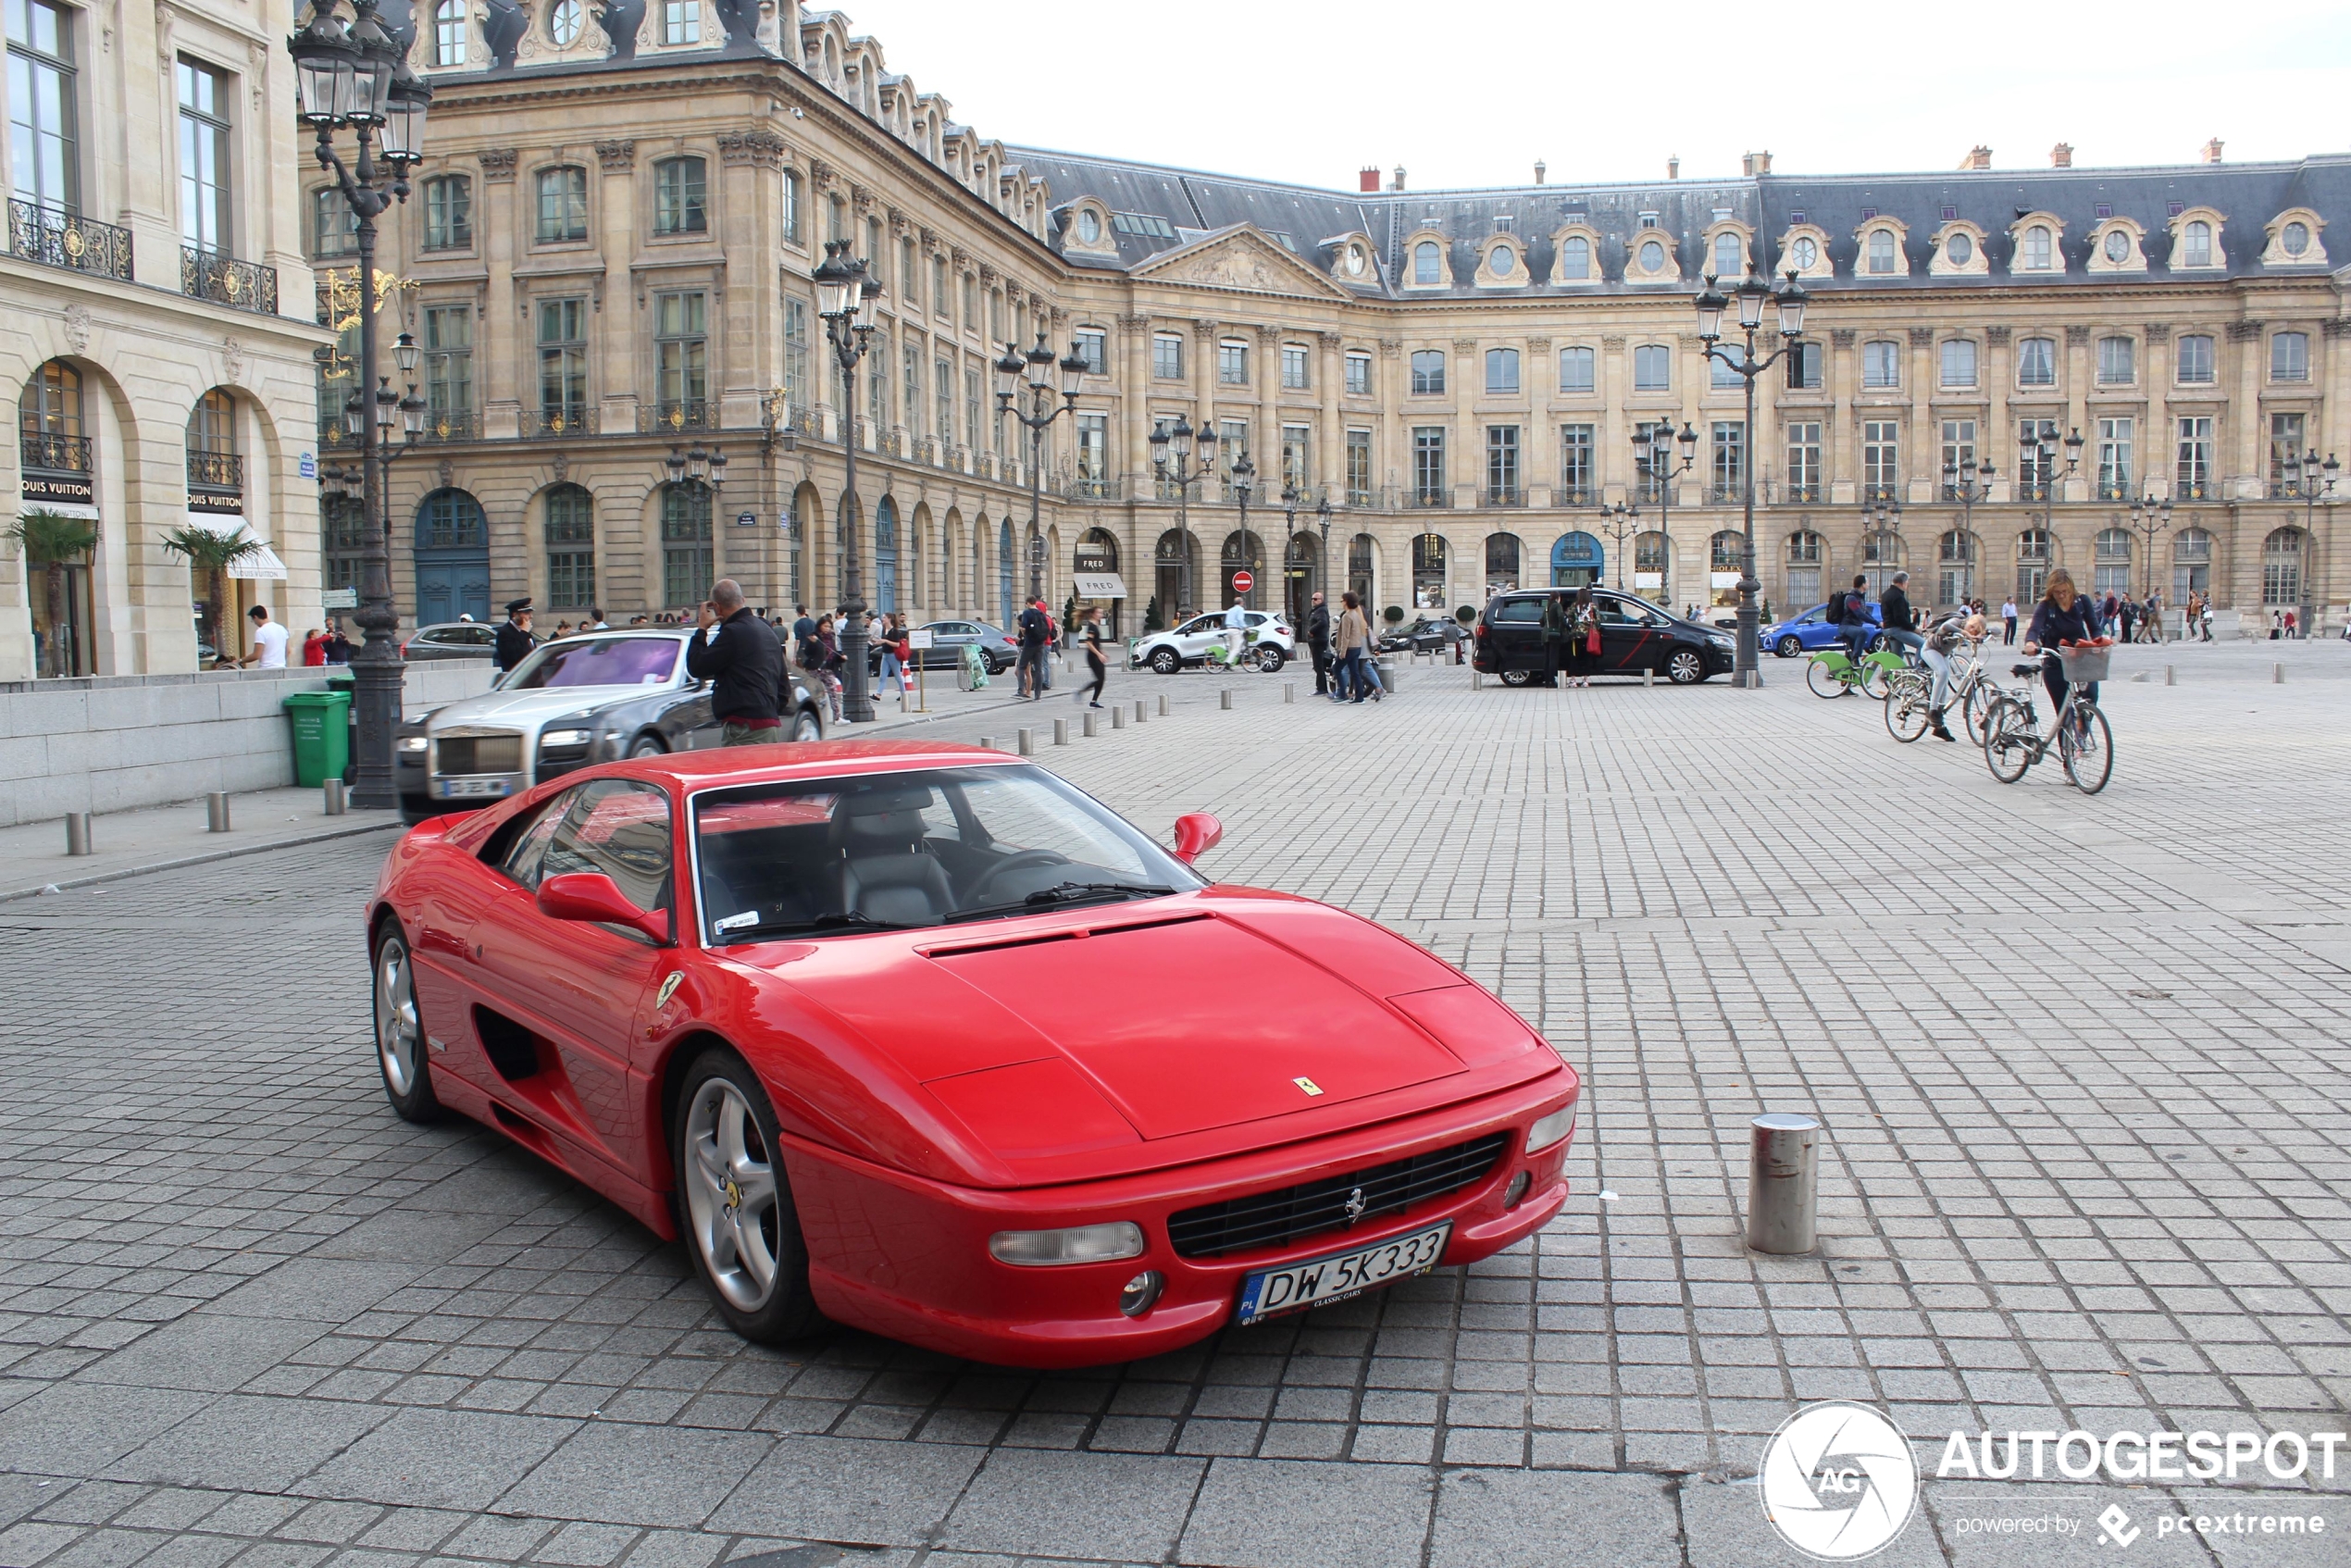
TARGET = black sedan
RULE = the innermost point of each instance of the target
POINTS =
(1634, 635)
(1425, 635)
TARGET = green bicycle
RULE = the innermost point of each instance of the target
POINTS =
(1834, 672)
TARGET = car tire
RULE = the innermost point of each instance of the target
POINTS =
(806, 725)
(648, 746)
(1788, 646)
(1518, 677)
(1269, 660)
(1686, 667)
(735, 1210)
(403, 1053)
(1165, 661)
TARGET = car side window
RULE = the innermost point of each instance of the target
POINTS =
(522, 860)
(477, 635)
(620, 829)
(1613, 612)
(1812, 616)
(1516, 612)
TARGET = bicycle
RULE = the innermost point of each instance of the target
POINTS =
(1834, 672)
(2085, 743)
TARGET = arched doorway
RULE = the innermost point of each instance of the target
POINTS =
(686, 548)
(1955, 558)
(2284, 559)
(453, 558)
(1727, 562)
(1503, 552)
(1004, 555)
(2110, 563)
(568, 520)
(1428, 573)
(1241, 553)
(1883, 553)
(1094, 575)
(1362, 572)
(1652, 567)
(2190, 565)
(2035, 554)
(1174, 578)
(1301, 574)
(54, 445)
(1807, 558)
(1578, 560)
(886, 558)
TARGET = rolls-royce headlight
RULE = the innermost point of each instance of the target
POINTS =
(412, 742)
(564, 738)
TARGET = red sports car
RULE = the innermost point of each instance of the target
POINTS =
(922, 1038)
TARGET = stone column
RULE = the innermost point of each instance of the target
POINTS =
(1925, 474)
(1614, 476)
(1330, 438)
(1536, 472)
(1465, 461)
(2080, 486)
(1845, 475)
(1998, 443)
(2156, 453)
(613, 373)
(503, 367)
(1134, 401)
(2249, 437)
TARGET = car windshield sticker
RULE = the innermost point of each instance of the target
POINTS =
(784, 811)
(737, 922)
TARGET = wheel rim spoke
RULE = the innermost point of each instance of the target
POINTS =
(723, 1166)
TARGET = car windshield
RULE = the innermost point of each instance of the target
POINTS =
(607, 661)
(901, 851)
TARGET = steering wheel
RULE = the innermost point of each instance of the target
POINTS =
(1022, 861)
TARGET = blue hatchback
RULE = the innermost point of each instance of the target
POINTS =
(1809, 631)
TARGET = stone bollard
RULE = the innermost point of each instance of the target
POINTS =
(1028, 742)
(2167, 678)
(2277, 674)
(1088, 719)
(216, 812)
(1061, 732)
(988, 742)
(1289, 690)
(1390, 670)
(1648, 677)
(1783, 1183)
(1142, 710)
(1118, 716)
(1225, 697)
(78, 833)
(338, 799)
(1163, 704)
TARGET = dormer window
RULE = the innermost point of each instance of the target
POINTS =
(1090, 226)
(1881, 250)
(1428, 263)
(2294, 238)
(1726, 255)
(1652, 257)
(1353, 260)
(1959, 249)
(2117, 247)
(1575, 259)
(2038, 249)
(2195, 244)
(1501, 261)
(1805, 254)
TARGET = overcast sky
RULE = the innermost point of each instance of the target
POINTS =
(1467, 95)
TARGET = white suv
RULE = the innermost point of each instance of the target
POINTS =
(1272, 645)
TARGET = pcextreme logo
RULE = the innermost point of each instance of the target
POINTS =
(1838, 1481)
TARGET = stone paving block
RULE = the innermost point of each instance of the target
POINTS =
(1255, 1511)
(619, 1474)
(439, 1458)
(79, 1428)
(206, 1351)
(1528, 1519)
(1127, 1508)
(321, 1290)
(871, 1493)
(247, 1443)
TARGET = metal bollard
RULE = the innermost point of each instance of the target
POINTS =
(1388, 675)
(1783, 1183)
(1289, 690)
(988, 742)
(2277, 674)
(1163, 704)
(78, 833)
(338, 799)
(1089, 726)
(1061, 732)
(1028, 742)
(1225, 697)
(216, 812)
(2167, 680)
(1648, 677)
(1117, 718)
(1142, 710)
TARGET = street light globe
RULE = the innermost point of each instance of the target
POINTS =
(1008, 371)
(1791, 299)
(1711, 305)
(836, 283)
(1753, 293)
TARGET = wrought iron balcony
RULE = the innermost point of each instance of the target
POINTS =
(1429, 498)
(1810, 493)
(1091, 488)
(1501, 495)
(332, 436)
(2034, 489)
(451, 424)
(1726, 494)
(680, 414)
(220, 471)
(223, 280)
(2192, 490)
(1362, 496)
(2114, 490)
(1577, 494)
(42, 453)
(64, 239)
(556, 421)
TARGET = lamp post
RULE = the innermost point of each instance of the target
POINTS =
(1291, 496)
(1620, 522)
(2043, 449)
(1881, 521)
(1653, 455)
(355, 78)
(1042, 411)
(2310, 480)
(1244, 486)
(1968, 482)
(1752, 294)
(776, 435)
(1172, 460)
(2149, 519)
(845, 300)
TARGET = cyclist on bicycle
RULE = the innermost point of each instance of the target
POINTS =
(1963, 625)
(1851, 615)
(2063, 615)
(1902, 621)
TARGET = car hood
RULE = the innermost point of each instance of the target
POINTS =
(522, 710)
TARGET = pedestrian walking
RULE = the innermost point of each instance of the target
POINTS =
(514, 641)
(1089, 636)
(739, 654)
(1318, 644)
(1353, 631)
(1036, 640)
(2291, 633)
(1554, 635)
(1236, 631)
(2008, 615)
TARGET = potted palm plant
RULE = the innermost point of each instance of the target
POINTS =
(56, 542)
(212, 554)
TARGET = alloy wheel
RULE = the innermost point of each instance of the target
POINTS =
(730, 1195)
(399, 1034)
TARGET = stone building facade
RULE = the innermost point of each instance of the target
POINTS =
(157, 335)
(608, 263)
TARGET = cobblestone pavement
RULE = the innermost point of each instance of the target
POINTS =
(2081, 1063)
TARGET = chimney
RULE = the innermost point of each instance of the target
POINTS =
(1367, 179)
(2062, 155)
(1979, 156)
(1755, 163)
(1673, 168)
(2212, 151)
(1399, 179)
(1539, 171)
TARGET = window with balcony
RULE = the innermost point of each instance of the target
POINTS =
(1723, 367)
(216, 470)
(1297, 457)
(448, 368)
(1578, 478)
(1428, 372)
(1501, 370)
(563, 364)
(1804, 461)
(682, 358)
(796, 314)
(942, 396)
(2286, 435)
(1294, 367)
(570, 532)
(44, 111)
(2289, 357)
(1881, 460)
(1576, 370)
(1359, 468)
(1428, 467)
(2193, 362)
(1804, 366)
(2115, 462)
(205, 214)
(2037, 463)
(449, 213)
(1232, 364)
(2192, 479)
(1882, 364)
(1959, 450)
(1958, 361)
(911, 381)
(1729, 473)
(562, 204)
(1502, 466)
(680, 196)
(1093, 453)
(2118, 361)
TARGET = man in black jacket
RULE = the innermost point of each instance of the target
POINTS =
(514, 641)
(1894, 606)
(1318, 642)
(743, 660)
(1850, 612)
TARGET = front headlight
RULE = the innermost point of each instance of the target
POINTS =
(1560, 1124)
(412, 742)
(564, 738)
(1720, 642)
(1081, 1244)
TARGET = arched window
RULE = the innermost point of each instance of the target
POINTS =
(563, 204)
(2282, 557)
(1576, 560)
(1429, 571)
(451, 519)
(886, 556)
(1176, 574)
(1805, 550)
(565, 20)
(1804, 545)
(1955, 556)
(2191, 564)
(1363, 563)
(680, 191)
(1576, 259)
(1652, 573)
(2035, 552)
(1235, 557)
(2038, 242)
(1428, 262)
(2110, 562)
(1726, 255)
(2195, 244)
(216, 472)
(1004, 573)
(1727, 550)
(449, 32)
(686, 567)
(570, 528)
(1502, 563)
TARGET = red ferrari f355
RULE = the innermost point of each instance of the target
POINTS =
(921, 1038)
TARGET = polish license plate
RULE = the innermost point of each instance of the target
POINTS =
(451, 789)
(1335, 1278)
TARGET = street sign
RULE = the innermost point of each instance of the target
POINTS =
(920, 637)
(309, 465)
(746, 520)
(339, 599)
(1243, 582)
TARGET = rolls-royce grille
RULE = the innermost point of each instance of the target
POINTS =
(1273, 1219)
(479, 753)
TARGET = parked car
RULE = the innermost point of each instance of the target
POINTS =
(818, 1014)
(452, 640)
(1425, 635)
(572, 702)
(1812, 630)
(1635, 635)
(949, 638)
(1186, 646)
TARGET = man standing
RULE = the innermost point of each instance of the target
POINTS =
(1318, 642)
(595, 621)
(268, 641)
(1036, 637)
(514, 641)
(2007, 616)
(739, 654)
(804, 627)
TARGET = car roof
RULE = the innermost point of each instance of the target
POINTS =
(806, 759)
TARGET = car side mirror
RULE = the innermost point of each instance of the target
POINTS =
(1196, 834)
(594, 897)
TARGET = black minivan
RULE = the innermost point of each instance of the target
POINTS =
(1635, 635)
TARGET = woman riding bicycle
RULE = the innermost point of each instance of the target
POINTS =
(2063, 615)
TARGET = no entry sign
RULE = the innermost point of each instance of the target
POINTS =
(1243, 582)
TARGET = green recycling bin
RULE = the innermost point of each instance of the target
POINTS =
(321, 735)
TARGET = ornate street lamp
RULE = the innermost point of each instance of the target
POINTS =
(356, 78)
(1654, 456)
(1037, 364)
(1244, 484)
(1172, 461)
(2149, 519)
(845, 301)
(1968, 482)
(1620, 522)
(1750, 296)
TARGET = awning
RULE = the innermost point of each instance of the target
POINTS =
(1724, 580)
(228, 525)
(262, 562)
(1100, 585)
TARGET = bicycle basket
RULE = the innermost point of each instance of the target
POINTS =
(2084, 664)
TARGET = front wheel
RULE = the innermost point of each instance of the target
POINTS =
(400, 1051)
(1165, 661)
(735, 1203)
(2086, 746)
(806, 725)
(1824, 681)
(1788, 646)
(1518, 677)
(1906, 714)
(1684, 667)
(1973, 712)
(1269, 660)
(1875, 681)
(647, 746)
(2008, 744)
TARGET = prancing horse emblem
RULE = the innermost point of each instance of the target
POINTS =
(1308, 1085)
(1355, 1205)
(669, 988)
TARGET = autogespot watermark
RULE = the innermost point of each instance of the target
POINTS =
(1840, 1481)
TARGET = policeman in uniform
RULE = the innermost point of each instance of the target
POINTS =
(514, 641)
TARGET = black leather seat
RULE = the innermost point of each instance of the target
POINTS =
(886, 874)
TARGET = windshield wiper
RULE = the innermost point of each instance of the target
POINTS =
(1062, 893)
(846, 921)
